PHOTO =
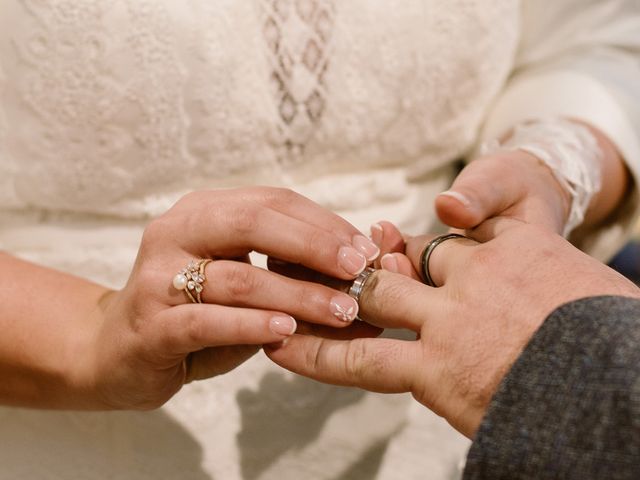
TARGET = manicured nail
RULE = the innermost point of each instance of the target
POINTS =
(377, 233)
(365, 246)
(458, 196)
(283, 325)
(388, 262)
(344, 308)
(352, 261)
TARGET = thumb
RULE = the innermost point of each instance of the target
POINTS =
(485, 188)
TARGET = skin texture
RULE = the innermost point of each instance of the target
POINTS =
(69, 343)
(493, 296)
(491, 299)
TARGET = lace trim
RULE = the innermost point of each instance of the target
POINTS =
(571, 152)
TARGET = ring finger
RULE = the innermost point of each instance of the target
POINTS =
(239, 284)
(443, 258)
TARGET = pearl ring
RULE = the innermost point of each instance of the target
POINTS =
(191, 279)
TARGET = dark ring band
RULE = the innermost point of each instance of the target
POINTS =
(426, 255)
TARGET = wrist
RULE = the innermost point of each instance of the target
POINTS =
(570, 150)
(81, 373)
(542, 184)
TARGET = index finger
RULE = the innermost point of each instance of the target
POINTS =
(298, 206)
(227, 225)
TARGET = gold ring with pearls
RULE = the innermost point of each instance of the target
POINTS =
(191, 279)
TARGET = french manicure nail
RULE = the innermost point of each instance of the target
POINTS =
(283, 325)
(365, 246)
(344, 308)
(458, 196)
(388, 262)
(377, 233)
(352, 261)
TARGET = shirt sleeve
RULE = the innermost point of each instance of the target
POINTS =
(581, 59)
(570, 406)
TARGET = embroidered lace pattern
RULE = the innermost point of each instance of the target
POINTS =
(298, 37)
(92, 115)
(128, 104)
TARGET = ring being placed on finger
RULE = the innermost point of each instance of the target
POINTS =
(358, 285)
(191, 279)
(426, 255)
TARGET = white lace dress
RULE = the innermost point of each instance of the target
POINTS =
(110, 110)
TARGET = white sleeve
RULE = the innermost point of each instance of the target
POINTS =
(580, 58)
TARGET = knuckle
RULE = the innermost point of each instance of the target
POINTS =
(303, 298)
(312, 356)
(482, 258)
(188, 198)
(239, 280)
(147, 279)
(316, 244)
(244, 219)
(194, 328)
(156, 231)
(278, 196)
(186, 203)
(354, 361)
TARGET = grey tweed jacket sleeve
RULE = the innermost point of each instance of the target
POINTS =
(570, 406)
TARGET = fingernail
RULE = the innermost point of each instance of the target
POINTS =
(388, 262)
(377, 233)
(365, 246)
(352, 261)
(344, 308)
(458, 196)
(283, 325)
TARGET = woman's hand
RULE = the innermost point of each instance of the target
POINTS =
(509, 184)
(515, 184)
(491, 300)
(135, 348)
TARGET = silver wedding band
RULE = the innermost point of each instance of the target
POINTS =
(358, 285)
(426, 255)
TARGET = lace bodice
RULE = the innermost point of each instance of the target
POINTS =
(109, 110)
(118, 107)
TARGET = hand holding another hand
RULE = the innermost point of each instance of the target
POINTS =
(492, 297)
(141, 344)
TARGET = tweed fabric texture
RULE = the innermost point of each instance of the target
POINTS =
(570, 406)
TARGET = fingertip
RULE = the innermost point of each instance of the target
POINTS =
(388, 262)
(344, 308)
(366, 247)
(377, 233)
(283, 325)
(351, 261)
(456, 210)
(459, 197)
(392, 240)
(398, 263)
